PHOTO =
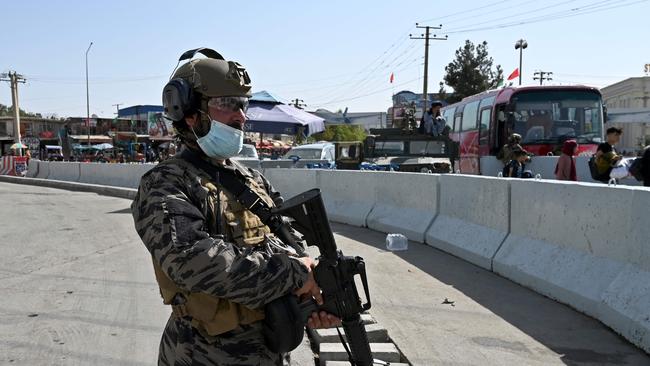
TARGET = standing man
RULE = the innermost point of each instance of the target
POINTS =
(606, 154)
(216, 263)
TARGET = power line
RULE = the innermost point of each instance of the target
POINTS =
(426, 37)
(368, 94)
(463, 12)
(356, 83)
(537, 19)
(502, 16)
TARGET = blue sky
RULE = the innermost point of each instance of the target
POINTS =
(332, 54)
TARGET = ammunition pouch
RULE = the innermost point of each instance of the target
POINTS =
(284, 324)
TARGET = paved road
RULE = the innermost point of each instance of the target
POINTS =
(77, 289)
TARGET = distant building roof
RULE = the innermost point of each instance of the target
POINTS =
(139, 109)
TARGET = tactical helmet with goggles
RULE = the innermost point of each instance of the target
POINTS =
(204, 82)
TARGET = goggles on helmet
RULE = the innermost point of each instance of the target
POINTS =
(230, 104)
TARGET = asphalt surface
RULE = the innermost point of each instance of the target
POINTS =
(77, 288)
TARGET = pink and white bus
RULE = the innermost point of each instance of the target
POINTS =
(545, 116)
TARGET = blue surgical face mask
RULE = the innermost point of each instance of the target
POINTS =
(222, 141)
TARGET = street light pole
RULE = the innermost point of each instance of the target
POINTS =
(520, 45)
(88, 96)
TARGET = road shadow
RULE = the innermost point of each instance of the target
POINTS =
(577, 338)
(122, 211)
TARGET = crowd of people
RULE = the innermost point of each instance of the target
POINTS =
(606, 163)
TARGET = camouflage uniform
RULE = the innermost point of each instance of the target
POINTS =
(180, 227)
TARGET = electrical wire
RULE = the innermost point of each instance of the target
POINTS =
(543, 18)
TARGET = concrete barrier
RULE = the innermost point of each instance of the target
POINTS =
(291, 182)
(545, 166)
(117, 175)
(473, 217)
(585, 245)
(405, 203)
(64, 171)
(32, 168)
(282, 163)
(43, 169)
(348, 195)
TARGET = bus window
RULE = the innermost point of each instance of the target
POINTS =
(487, 102)
(457, 119)
(448, 115)
(469, 116)
(484, 125)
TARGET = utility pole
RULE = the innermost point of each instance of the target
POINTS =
(521, 45)
(118, 108)
(427, 38)
(15, 78)
(539, 75)
(88, 96)
(298, 103)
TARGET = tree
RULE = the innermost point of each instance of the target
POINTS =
(9, 111)
(340, 133)
(472, 72)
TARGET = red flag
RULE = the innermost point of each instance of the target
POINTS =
(392, 77)
(514, 74)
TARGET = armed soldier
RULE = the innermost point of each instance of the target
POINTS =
(217, 264)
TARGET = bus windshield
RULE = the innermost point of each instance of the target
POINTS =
(551, 117)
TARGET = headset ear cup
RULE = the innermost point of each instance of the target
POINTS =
(178, 99)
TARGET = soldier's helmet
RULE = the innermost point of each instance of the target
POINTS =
(198, 81)
(216, 78)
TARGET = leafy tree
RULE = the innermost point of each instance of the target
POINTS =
(9, 111)
(472, 71)
(340, 133)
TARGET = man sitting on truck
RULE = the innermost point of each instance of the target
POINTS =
(432, 122)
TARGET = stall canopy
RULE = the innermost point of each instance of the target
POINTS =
(266, 114)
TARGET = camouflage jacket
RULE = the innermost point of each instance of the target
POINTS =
(170, 211)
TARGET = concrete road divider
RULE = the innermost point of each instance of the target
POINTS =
(32, 168)
(43, 169)
(64, 171)
(405, 203)
(473, 219)
(291, 182)
(118, 175)
(585, 245)
(349, 196)
(280, 163)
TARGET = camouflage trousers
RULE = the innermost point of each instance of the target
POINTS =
(182, 345)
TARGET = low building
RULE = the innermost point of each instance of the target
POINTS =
(35, 133)
(366, 119)
(628, 93)
(628, 103)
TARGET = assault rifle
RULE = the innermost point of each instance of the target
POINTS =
(334, 274)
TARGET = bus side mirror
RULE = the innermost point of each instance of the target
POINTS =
(604, 114)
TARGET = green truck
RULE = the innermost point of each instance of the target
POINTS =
(398, 149)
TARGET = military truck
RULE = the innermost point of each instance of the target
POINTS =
(399, 149)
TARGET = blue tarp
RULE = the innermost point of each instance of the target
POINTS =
(281, 119)
(264, 96)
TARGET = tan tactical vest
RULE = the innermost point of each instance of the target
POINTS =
(211, 315)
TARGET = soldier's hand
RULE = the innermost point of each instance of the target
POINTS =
(323, 320)
(309, 288)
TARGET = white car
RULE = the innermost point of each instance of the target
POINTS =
(248, 157)
(312, 153)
